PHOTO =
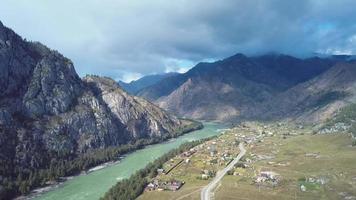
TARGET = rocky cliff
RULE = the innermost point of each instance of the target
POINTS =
(50, 117)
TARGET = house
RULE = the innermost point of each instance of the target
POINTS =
(188, 153)
(236, 173)
(260, 179)
(150, 187)
(160, 171)
(270, 175)
(204, 176)
(174, 185)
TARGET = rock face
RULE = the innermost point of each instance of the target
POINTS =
(140, 116)
(240, 87)
(53, 88)
(47, 113)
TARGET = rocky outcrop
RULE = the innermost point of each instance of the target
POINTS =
(141, 117)
(53, 88)
(50, 116)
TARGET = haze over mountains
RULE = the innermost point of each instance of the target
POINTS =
(271, 86)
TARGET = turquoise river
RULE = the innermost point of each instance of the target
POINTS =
(94, 185)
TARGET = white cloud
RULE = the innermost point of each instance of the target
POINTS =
(335, 51)
(116, 37)
(129, 76)
(176, 65)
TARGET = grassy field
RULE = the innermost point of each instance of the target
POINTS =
(296, 159)
(294, 153)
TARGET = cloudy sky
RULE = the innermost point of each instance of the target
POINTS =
(125, 39)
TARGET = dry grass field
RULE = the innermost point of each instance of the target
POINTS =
(324, 166)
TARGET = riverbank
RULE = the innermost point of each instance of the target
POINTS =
(98, 182)
(200, 166)
(187, 127)
(56, 184)
(132, 187)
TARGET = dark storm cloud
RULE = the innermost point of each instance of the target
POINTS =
(126, 39)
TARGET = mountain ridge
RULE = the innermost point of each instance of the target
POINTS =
(53, 123)
(136, 86)
(237, 85)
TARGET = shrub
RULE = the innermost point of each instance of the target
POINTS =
(240, 165)
(230, 172)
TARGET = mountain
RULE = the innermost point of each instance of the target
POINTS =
(53, 123)
(240, 87)
(135, 86)
(317, 99)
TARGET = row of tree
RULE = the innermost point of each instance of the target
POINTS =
(132, 187)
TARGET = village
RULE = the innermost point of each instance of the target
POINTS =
(202, 161)
(205, 160)
(285, 161)
(269, 166)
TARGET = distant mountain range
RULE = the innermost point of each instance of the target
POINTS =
(268, 87)
(53, 123)
(135, 86)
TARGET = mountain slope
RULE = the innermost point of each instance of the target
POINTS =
(234, 87)
(139, 116)
(135, 86)
(53, 124)
(315, 100)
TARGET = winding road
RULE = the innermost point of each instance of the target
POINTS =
(207, 190)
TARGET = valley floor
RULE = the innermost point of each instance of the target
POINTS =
(282, 162)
